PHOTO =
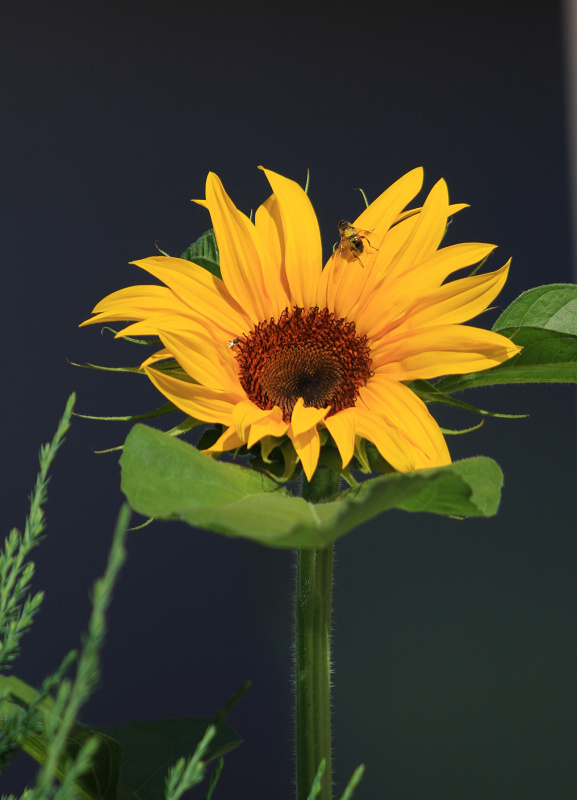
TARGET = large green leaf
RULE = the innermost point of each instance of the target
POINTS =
(542, 320)
(149, 749)
(168, 479)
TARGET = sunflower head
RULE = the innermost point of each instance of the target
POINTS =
(281, 352)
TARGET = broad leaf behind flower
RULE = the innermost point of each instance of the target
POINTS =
(543, 321)
(168, 479)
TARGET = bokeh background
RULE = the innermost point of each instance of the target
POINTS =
(454, 647)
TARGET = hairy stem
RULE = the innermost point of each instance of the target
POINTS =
(313, 651)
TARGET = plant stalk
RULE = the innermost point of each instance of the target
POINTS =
(313, 651)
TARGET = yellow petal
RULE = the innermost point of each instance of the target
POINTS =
(342, 282)
(307, 447)
(201, 291)
(185, 322)
(341, 427)
(390, 300)
(428, 232)
(244, 414)
(349, 280)
(268, 223)
(455, 302)
(303, 433)
(407, 412)
(229, 440)
(393, 258)
(160, 355)
(200, 402)
(331, 276)
(142, 328)
(432, 271)
(441, 350)
(388, 440)
(253, 423)
(243, 260)
(270, 424)
(383, 211)
(210, 364)
(393, 278)
(396, 239)
(135, 302)
(303, 253)
(304, 418)
(403, 229)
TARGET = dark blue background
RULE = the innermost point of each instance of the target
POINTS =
(454, 641)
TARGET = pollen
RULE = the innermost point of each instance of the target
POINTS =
(307, 354)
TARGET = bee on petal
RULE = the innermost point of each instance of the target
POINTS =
(351, 244)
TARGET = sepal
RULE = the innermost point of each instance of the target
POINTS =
(204, 252)
(431, 393)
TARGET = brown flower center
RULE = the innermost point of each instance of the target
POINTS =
(307, 354)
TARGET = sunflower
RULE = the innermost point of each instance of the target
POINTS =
(282, 349)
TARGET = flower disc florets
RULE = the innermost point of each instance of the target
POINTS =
(307, 354)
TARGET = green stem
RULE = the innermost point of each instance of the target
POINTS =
(313, 651)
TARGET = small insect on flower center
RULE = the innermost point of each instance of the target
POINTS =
(307, 354)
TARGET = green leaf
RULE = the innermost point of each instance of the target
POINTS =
(100, 782)
(552, 307)
(165, 470)
(544, 322)
(168, 479)
(204, 252)
(150, 748)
